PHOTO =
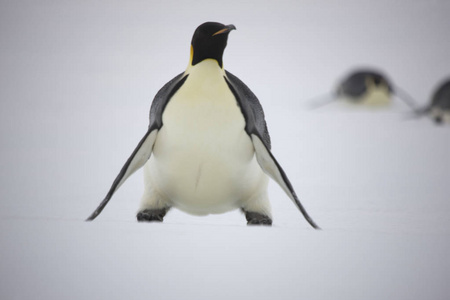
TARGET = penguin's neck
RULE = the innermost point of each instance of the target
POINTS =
(207, 73)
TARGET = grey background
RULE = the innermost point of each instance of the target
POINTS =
(76, 82)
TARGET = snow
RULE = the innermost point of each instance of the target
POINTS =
(73, 260)
(75, 89)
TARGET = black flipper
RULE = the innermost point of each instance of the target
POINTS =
(406, 98)
(139, 157)
(256, 128)
(271, 167)
(144, 149)
(322, 100)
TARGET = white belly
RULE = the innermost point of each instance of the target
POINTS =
(377, 98)
(374, 97)
(203, 161)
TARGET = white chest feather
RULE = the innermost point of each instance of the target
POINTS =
(374, 97)
(377, 97)
(203, 160)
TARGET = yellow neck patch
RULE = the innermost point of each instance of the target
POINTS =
(191, 56)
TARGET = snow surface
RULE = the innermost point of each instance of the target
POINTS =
(77, 79)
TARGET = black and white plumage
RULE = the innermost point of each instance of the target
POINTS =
(368, 87)
(439, 107)
(207, 149)
(359, 87)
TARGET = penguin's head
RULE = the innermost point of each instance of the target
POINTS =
(209, 41)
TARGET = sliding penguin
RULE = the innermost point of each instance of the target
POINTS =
(439, 108)
(207, 149)
(368, 87)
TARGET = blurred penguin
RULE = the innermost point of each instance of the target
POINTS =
(369, 88)
(439, 108)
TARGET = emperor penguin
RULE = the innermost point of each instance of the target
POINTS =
(369, 88)
(439, 107)
(207, 149)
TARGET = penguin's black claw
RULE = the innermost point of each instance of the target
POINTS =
(257, 219)
(152, 215)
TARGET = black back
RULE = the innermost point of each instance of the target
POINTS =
(355, 85)
(441, 97)
(252, 110)
(162, 98)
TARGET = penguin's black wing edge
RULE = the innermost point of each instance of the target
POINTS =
(137, 159)
(252, 110)
(144, 149)
(406, 98)
(272, 168)
(256, 128)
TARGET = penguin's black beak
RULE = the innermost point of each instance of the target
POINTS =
(227, 29)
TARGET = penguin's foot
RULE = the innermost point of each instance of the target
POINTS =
(152, 215)
(254, 218)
